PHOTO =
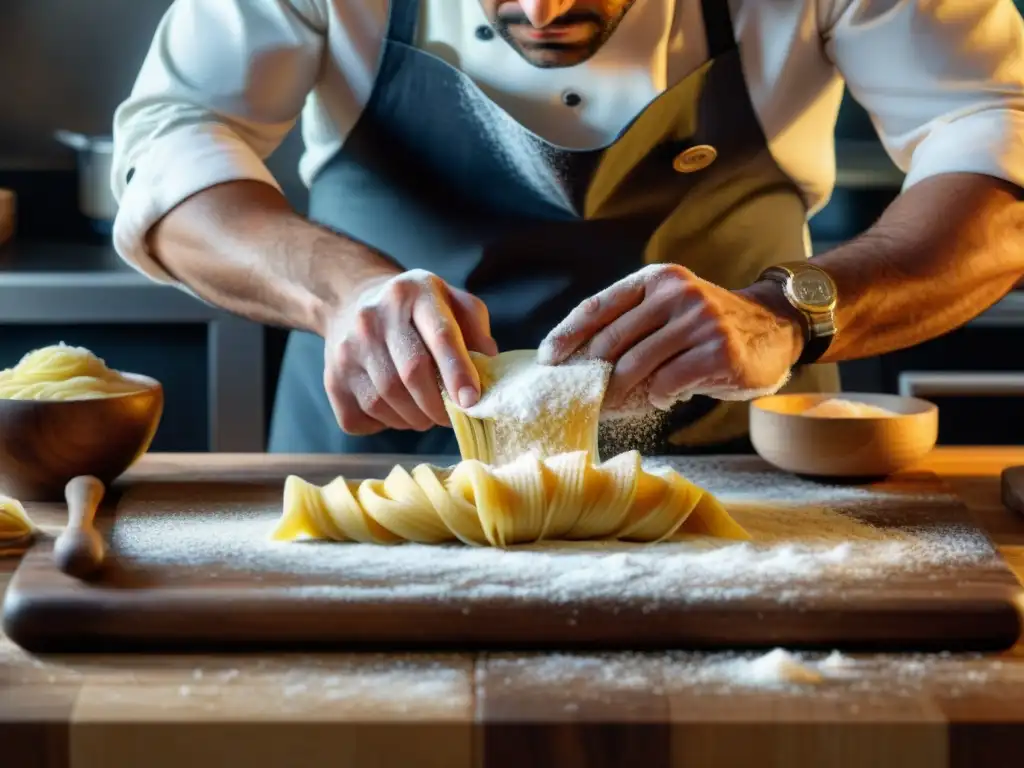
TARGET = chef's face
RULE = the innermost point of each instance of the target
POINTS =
(556, 33)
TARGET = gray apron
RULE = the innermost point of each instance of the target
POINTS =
(439, 177)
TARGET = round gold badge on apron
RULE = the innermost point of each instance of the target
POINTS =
(695, 158)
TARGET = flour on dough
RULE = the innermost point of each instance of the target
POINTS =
(779, 666)
(526, 407)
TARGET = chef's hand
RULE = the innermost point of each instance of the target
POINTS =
(387, 344)
(667, 325)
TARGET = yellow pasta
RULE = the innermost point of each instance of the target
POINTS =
(529, 500)
(62, 372)
(15, 524)
(530, 471)
(526, 407)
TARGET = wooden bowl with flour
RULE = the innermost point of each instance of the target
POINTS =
(847, 435)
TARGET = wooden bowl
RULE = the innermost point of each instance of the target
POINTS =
(45, 443)
(842, 447)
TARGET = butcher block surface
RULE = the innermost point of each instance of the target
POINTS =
(191, 567)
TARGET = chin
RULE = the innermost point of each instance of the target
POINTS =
(553, 59)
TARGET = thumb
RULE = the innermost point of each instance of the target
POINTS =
(474, 321)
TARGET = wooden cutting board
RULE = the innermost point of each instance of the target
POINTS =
(894, 566)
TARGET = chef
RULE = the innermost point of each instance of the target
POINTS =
(629, 179)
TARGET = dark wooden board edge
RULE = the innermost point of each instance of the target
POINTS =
(66, 615)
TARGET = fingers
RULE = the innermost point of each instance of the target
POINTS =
(388, 385)
(377, 384)
(588, 318)
(701, 366)
(472, 316)
(440, 331)
(631, 328)
(383, 356)
(418, 374)
(647, 356)
(350, 415)
(641, 362)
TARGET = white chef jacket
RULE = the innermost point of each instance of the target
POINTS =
(225, 81)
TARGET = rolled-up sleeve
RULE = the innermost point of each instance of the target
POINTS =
(943, 81)
(223, 83)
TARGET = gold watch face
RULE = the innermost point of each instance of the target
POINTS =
(813, 290)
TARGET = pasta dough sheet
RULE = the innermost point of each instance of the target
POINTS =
(62, 372)
(563, 497)
(526, 407)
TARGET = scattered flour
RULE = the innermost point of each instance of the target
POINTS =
(413, 687)
(642, 431)
(403, 685)
(809, 539)
(537, 165)
(719, 392)
(640, 403)
(414, 683)
(635, 405)
(837, 660)
(835, 676)
(777, 667)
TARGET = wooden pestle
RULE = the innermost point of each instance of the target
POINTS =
(79, 550)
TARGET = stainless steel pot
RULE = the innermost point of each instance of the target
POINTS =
(95, 156)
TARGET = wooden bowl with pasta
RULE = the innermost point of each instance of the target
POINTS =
(848, 435)
(61, 418)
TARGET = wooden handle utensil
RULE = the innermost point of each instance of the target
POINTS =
(79, 550)
(1012, 488)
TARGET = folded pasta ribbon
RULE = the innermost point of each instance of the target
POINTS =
(563, 497)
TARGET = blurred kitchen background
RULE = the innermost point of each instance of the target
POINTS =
(66, 64)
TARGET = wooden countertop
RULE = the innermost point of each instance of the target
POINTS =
(520, 710)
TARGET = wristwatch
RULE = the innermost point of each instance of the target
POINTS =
(813, 294)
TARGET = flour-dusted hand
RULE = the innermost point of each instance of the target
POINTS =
(385, 349)
(667, 329)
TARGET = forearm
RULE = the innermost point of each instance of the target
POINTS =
(242, 247)
(941, 254)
